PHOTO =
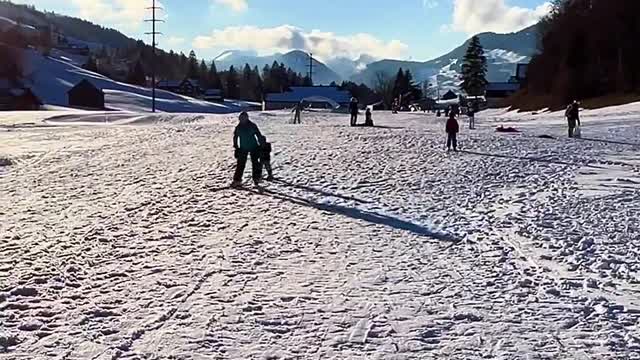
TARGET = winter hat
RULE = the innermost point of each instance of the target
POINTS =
(244, 116)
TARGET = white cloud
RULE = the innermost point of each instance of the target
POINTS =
(324, 45)
(125, 14)
(175, 41)
(235, 5)
(474, 16)
(430, 4)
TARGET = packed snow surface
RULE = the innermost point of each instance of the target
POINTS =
(124, 241)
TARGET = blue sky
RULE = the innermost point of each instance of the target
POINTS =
(401, 29)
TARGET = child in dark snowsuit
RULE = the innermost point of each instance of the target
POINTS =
(368, 118)
(452, 132)
(265, 157)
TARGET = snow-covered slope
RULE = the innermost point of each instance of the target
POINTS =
(52, 77)
(503, 52)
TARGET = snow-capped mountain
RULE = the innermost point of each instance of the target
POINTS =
(503, 52)
(297, 60)
(347, 68)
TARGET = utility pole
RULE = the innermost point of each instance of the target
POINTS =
(153, 34)
(311, 68)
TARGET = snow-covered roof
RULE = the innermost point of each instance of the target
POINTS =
(169, 83)
(213, 92)
(193, 82)
(503, 86)
(299, 93)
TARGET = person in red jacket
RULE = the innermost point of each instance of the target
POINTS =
(452, 132)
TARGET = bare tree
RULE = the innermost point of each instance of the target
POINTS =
(384, 87)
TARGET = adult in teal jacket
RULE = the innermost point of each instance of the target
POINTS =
(246, 141)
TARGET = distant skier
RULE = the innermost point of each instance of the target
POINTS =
(573, 117)
(353, 109)
(297, 116)
(265, 157)
(452, 132)
(246, 142)
(471, 113)
(368, 118)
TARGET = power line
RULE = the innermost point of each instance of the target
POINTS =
(153, 34)
(311, 68)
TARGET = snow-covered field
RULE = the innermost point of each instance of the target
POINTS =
(124, 242)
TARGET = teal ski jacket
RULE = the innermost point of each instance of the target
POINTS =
(247, 137)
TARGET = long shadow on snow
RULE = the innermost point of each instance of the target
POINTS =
(523, 158)
(610, 142)
(357, 214)
(321, 192)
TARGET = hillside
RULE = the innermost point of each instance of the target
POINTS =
(70, 26)
(52, 77)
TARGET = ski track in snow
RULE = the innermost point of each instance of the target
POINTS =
(124, 241)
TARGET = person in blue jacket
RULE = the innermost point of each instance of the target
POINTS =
(247, 142)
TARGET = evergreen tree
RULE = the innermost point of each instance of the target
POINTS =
(247, 90)
(267, 80)
(192, 67)
(136, 75)
(474, 69)
(258, 84)
(307, 81)
(283, 78)
(399, 86)
(203, 73)
(214, 77)
(232, 87)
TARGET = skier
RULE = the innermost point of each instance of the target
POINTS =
(573, 117)
(368, 118)
(297, 110)
(265, 157)
(452, 132)
(246, 142)
(353, 108)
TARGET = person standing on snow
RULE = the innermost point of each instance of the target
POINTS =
(471, 113)
(297, 116)
(573, 117)
(353, 109)
(247, 142)
(452, 132)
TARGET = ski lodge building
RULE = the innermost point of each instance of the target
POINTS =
(322, 97)
(188, 87)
